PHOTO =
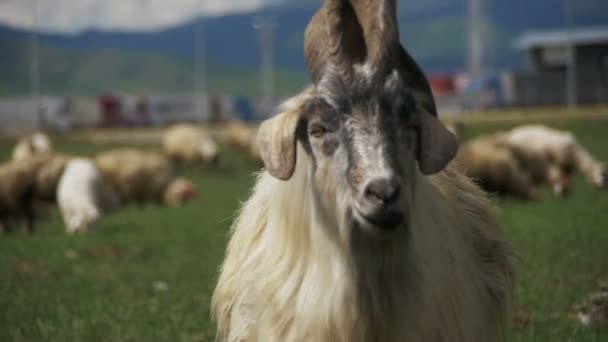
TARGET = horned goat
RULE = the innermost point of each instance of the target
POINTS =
(356, 230)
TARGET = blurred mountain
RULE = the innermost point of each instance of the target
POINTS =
(99, 70)
(434, 31)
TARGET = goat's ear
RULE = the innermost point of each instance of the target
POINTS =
(277, 143)
(437, 146)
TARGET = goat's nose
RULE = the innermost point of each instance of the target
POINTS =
(382, 191)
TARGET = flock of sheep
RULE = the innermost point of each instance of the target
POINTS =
(517, 162)
(86, 189)
(361, 228)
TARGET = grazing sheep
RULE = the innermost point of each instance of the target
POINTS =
(495, 168)
(561, 149)
(356, 231)
(180, 192)
(141, 177)
(190, 144)
(83, 196)
(37, 143)
(17, 195)
(242, 137)
(25, 184)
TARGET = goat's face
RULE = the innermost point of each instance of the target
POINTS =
(362, 143)
(367, 120)
(366, 143)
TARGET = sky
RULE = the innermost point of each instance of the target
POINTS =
(125, 15)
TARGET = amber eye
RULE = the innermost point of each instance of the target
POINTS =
(317, 130)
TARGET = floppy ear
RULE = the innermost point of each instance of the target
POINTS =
(277, 143)
(437, 146)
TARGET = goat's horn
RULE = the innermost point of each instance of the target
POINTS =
(335, 15)
(334, 37)
(378, 19)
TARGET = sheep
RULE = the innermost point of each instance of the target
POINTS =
(83, 196)
(142, 177)
(25, 184)
(179, 192)
(37, 143)
(357, 230)
(561, 149)
(190, 144)
(17, 195)
(242, 137)
(495, 168)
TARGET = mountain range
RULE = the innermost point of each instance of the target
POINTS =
(434, 31)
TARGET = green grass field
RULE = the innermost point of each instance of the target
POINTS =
(110, 285)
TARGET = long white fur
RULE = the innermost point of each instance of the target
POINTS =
(82, 195)
(291, 274)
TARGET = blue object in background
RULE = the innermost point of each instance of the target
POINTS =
(244, 108)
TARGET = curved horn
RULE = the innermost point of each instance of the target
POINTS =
(334, 37)
(378, 19)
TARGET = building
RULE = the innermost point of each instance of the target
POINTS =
(554, 56)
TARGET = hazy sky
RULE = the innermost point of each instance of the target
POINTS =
(74, 15)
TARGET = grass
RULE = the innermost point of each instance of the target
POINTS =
(109, 285)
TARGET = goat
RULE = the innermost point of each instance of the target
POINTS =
(357, 230)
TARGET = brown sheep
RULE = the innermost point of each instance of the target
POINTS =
(495, 168)
(190, 144)
(242, 137)
(26, 184)
(37, 143)
(142, 177)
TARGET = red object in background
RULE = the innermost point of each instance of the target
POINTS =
(442, 85)
(111, 110)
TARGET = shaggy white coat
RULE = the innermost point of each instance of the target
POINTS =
(83, 195)
(289, 275)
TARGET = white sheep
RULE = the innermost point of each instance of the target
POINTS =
(190, 144)
(83, 196)
(37, 143)
(560, 148)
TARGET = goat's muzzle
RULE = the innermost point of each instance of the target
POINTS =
(379, 206)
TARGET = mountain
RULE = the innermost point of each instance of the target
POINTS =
(93, 71)
(434, 31)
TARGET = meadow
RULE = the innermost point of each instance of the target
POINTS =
(147, 273)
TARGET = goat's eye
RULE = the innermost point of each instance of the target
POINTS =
(317, 130)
